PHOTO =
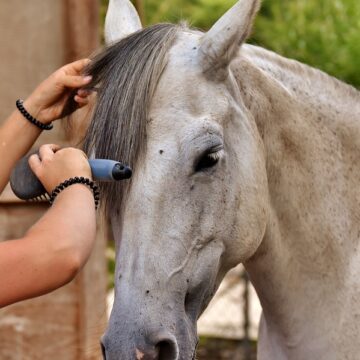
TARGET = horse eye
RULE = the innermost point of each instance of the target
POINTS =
(207, 161)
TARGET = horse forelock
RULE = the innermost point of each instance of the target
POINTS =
(125, 75)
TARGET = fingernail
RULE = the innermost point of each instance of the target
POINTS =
(88, 78)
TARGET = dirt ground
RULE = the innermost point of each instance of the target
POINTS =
(220, 349)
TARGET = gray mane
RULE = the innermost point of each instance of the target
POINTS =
(125, 75)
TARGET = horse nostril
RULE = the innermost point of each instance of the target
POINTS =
(167, 350)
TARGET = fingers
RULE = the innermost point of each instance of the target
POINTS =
(49, 98)
(81, 101)
(71, 81)
(47, 151)
(72, 151)
(84, 155)
(70, 75)
(84, 92)
(54, 165)
(76, 67)
(82, 97)
(35, 163)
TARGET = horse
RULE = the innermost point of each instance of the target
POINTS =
(239, 156)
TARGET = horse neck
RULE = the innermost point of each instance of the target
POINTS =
(309, 125)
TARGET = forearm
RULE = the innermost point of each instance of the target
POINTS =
(53, 250)
(17, 135)
(46, 103)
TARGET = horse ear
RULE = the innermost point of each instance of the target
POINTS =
(121, 20)
(221, 43)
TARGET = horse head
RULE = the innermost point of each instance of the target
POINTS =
(169, 106)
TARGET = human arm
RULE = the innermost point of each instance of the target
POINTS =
(46, 103)
(59, 244)
(52, 252)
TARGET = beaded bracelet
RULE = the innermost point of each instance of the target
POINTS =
(72, 181)
(27, 116)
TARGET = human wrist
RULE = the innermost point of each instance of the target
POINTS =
(34, 108)
(73, 191)
(76, 182)
(30, 118)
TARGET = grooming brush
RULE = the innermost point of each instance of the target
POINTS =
(26, 186)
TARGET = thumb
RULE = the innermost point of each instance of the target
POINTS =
(35, 164)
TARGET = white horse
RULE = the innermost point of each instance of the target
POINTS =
(239, 155)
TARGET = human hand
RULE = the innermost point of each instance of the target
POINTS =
(47, 101)
(54, 165)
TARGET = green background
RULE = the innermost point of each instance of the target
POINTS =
(322, 33)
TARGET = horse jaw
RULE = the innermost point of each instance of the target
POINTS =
(121, 20)
(221, 43)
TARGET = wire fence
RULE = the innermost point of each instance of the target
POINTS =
(231, 320)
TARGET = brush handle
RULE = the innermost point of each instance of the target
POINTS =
(109, 170)
(26, 186)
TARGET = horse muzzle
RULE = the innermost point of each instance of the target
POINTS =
(159, 347)
(156, 345)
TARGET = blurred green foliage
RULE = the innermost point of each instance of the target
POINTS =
(322, 33)
(110, 256)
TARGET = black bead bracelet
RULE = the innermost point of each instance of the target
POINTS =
(27, 116)
(76, 180)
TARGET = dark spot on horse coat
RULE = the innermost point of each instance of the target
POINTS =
(290, 146)
(161, 152)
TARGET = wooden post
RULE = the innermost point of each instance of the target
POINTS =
(66, 324)
(82, 32)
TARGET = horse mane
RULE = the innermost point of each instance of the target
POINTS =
(311, 78)
(125, 76)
